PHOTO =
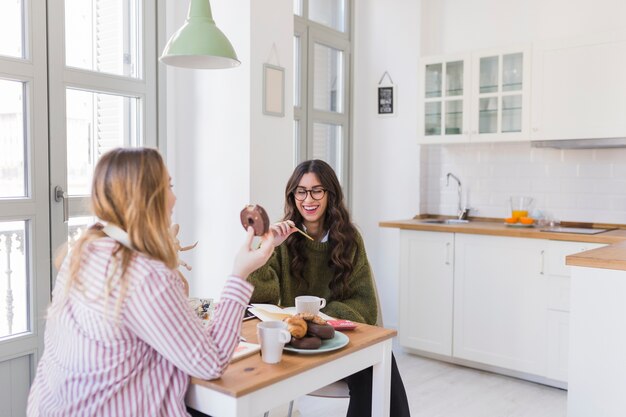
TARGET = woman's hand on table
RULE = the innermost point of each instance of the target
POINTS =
(282, 230)
(248, 260)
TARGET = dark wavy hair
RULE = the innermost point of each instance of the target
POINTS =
(341, 231)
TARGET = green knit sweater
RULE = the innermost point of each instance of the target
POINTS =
(273, 283)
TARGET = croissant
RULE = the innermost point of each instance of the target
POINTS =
(296, 326)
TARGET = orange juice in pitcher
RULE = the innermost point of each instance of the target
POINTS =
(520, 206)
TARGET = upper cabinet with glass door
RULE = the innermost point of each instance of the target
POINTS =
(500, 96)
(444, 102)
(482, 98)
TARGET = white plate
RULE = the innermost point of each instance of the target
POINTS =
(328, 345)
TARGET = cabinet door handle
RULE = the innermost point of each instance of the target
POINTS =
(541, 261)
(447, 253)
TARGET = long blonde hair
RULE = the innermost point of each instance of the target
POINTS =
(129, 190)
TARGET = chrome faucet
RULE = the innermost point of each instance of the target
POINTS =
(462, 213)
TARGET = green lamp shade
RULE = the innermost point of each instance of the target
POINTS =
(199, 43)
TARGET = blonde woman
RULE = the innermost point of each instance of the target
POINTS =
(120, 338)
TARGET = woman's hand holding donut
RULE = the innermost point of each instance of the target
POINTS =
(249, 260)
(282, 230)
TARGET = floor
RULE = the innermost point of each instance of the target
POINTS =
(439, 389)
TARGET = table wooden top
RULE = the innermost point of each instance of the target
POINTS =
(251, 373)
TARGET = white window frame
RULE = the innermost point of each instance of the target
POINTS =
(310, 33)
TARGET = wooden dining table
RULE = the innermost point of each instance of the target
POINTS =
(249, 387)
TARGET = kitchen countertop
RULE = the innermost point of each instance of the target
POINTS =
(498, 228)
(608, 257)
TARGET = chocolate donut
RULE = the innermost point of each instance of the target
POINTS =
(255, 216)
(307, 342)
(323, 331)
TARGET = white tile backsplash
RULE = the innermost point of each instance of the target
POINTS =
(570, 185)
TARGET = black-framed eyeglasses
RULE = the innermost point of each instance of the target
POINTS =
(316, 193)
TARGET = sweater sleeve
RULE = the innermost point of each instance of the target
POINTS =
(361, 306)
(158, 313)
(266, 282)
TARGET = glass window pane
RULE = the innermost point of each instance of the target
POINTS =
(12, 28)
(454, 117)
(432, 118)
(489, 74)
(13, 180)
(327, 145)
(433, 80)
(331, 13)
(297, 70)
(14, 288)
(297, 7)
(328, 79)
(512, 71)
(512, 113)
(296, 142)
(454, 78)
(488, 115)
(96, 123)
(103, 36)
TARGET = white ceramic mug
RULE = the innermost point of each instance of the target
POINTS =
(309, 304)
(272, 336)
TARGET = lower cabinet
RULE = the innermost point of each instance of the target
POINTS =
(496, 301)
(499, 302)
(427, 265)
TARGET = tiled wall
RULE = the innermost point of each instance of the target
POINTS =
(572, 185)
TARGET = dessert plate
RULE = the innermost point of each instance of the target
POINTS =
(328, 345)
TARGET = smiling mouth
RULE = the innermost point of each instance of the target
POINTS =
(310, 209)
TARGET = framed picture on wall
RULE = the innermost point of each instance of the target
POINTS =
(386, 99)
(273, 90)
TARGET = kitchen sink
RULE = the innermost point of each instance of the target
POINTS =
(444, 221)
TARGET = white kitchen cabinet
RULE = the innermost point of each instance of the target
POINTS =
(444, 99)
(476, 97)
(426, 282)
(499, 302)
(558, 277)
(579, 88)
(500, 97)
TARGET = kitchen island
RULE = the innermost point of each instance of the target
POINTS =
(491, 296)
(598, 333)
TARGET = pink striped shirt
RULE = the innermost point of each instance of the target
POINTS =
(139, 366)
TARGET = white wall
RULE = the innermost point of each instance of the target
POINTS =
(385, 154)
(272, 147)
(214, 125)
(574, 185)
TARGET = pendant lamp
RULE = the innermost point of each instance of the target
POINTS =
(199, 43)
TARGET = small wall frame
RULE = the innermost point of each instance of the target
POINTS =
(273, 90)
(386, 100)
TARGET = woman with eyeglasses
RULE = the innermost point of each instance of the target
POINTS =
(333, 266)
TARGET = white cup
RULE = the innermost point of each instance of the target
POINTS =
(272, 335)
(309, 304)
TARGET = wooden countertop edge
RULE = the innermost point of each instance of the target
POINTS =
(608, 257)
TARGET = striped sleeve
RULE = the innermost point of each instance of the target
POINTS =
(158, 313)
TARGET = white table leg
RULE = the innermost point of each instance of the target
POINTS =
(381, 383)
